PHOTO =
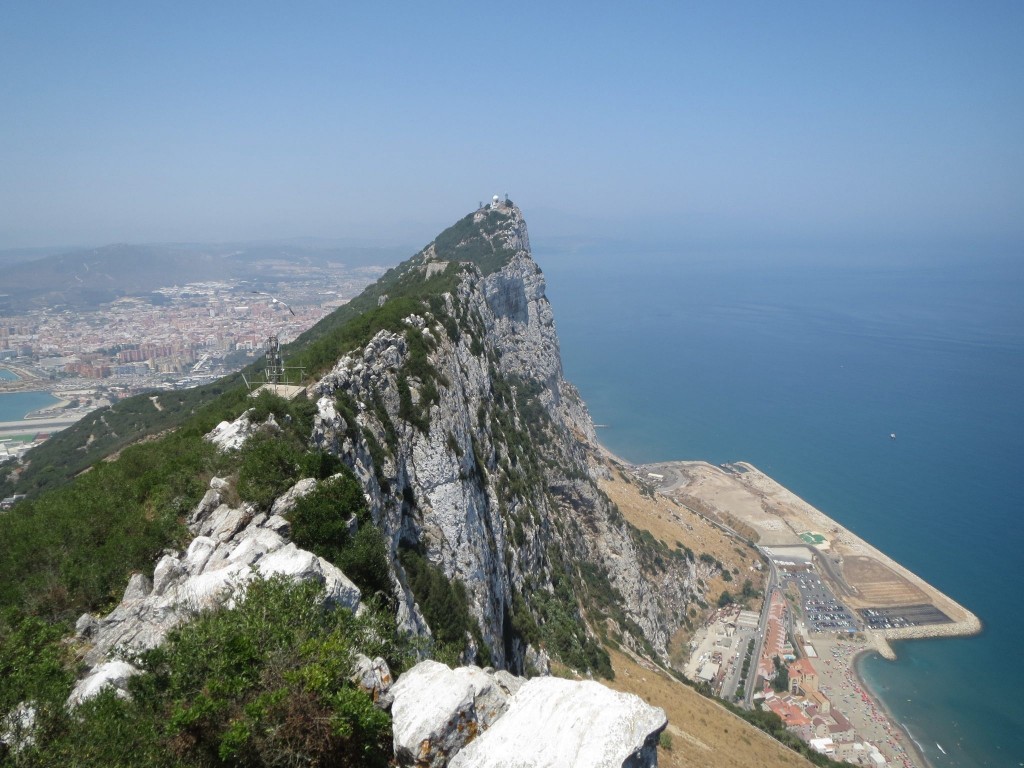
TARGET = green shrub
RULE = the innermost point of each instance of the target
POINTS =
(34, 666)
(269, 466)
(465, 241)
(564, 634)
(320, 518)
(365, 560)
(71, 550)
(319, 523)
(444, 605)
(265, 683)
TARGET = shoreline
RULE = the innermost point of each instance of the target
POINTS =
(48, 418)
(904, 734)
(48, 411)
(838, 665)
(875, 721)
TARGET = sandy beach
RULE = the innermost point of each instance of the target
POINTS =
(836, 666)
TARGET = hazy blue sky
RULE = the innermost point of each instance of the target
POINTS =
(215, 121)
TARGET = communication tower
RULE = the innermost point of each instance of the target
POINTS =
(275, 366)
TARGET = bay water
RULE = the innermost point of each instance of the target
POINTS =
(804, 367)
(15, 405)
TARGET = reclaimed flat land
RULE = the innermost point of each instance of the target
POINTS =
(34, 426)
(877, 585)
(863, 576)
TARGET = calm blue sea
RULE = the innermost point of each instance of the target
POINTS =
(804, 370)
(7, 375)
(14, 405)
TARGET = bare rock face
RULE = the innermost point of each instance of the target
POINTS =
(231, 435)
(555, 723)
(522, 324)
(496, 476)
(471, 447)
(473, 718)
(110, 673)
(373, 676)
(18, 729)
(232, 545)
(437, 710)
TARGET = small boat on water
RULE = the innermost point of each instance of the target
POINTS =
(940, 747)
(892, 435)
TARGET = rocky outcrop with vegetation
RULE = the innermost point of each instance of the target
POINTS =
(474, 451)
(432, 495)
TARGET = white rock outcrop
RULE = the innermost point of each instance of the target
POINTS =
(111, 673)
(18, 729)
(437, 710)
(555, 723)
(232, 545)
(231, 435)
(473, 718)
(373, 676)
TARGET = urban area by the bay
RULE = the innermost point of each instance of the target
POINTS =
(172, 336)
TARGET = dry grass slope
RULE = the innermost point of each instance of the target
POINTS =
(672, 522)
(703, 733)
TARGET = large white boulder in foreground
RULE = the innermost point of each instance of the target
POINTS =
(472, 718)
(437, 710)
(554, 723)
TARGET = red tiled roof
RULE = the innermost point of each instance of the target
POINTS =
(801, 667)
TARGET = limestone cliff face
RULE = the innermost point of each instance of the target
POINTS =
(474, 451)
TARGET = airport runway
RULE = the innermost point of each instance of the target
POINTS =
(32, 426)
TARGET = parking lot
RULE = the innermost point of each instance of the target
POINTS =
(903, 616)
(821, 611)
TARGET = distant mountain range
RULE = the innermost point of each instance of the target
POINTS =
(37, 278)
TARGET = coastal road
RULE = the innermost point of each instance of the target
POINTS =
(762, 631)
(672, 477)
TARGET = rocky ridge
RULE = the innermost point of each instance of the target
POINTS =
(232, 545)
(476, 455)
(495, 485)
(437, 711)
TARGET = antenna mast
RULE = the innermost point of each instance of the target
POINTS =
(275, 367)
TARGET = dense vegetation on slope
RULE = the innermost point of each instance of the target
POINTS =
(107, 430)
(74, 544)
(72, 551)
(265, 683)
